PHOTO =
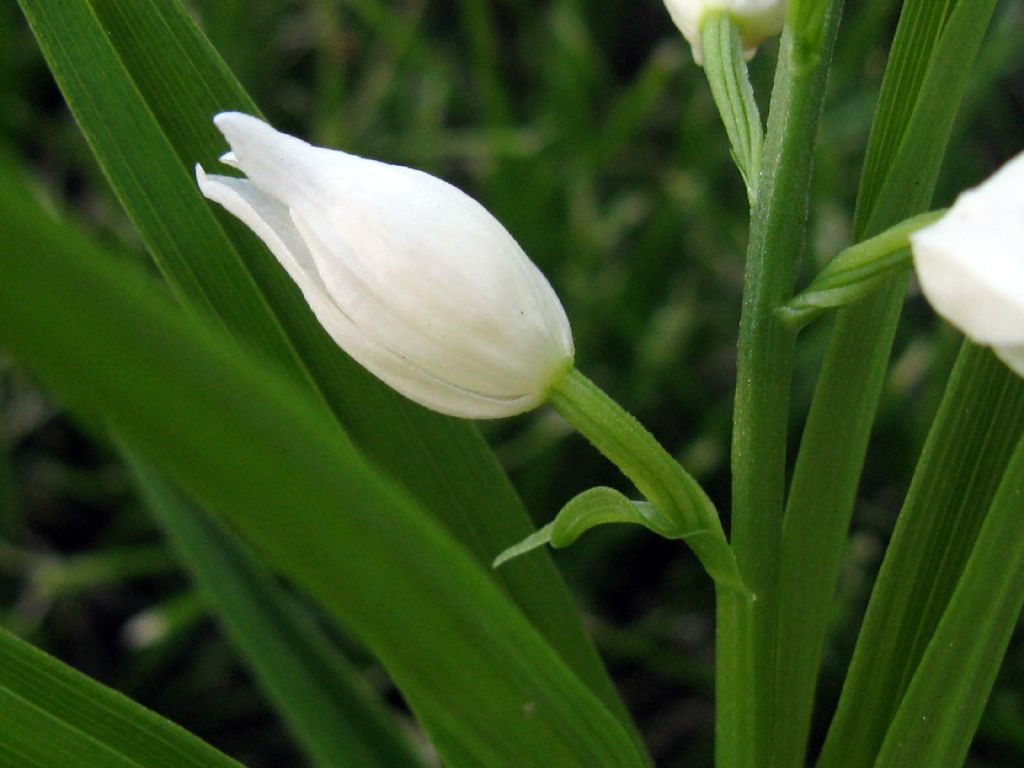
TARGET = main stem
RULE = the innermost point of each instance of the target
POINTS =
(659, 477)
(746, 635)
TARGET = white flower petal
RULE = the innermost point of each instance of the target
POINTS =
(279, 164)
(970, 263)
(268, 219)
(1013, 356)
(426, 337)
(756, 19)
(412, 277)
(272, 223)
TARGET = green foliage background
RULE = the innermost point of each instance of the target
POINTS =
(588, 131)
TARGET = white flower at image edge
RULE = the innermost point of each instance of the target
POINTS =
(970, 264)
(756, 19)
(410, 276)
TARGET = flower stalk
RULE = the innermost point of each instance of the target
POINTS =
(626, 443)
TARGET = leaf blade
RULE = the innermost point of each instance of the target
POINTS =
(923, 85)
(972, 438)
(944, 701)
(329, 709)
(55, 714)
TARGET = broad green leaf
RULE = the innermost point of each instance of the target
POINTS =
(326, 705)
(52, 715)
(143, 84)
(944, 700)
(924, 82)
(857, 272)
(250, 445)
(597, 506)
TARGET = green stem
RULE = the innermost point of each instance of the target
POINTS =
(626, 443)
(726, 69)
(764, 371)
(735, 714)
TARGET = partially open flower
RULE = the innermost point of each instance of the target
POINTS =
(970, 263)
(756, 19)
(411, 277)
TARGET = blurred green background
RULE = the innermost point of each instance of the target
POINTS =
(586, 128)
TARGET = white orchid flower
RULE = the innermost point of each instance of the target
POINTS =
(410, 276)
(756, 19)
(970, 263)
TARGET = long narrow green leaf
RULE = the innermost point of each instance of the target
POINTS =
(241, 438)
(143, 84)
(978, 425)
(917, 34)
(52, 715)
(331, 711)
(940, 711)
(912, 126)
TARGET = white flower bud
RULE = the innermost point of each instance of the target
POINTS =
(756, 19)
(411, 277)
(970, 263)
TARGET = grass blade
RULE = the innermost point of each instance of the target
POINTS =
(978, 425)
(329, 709)
(53, 715)
(941, 708)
